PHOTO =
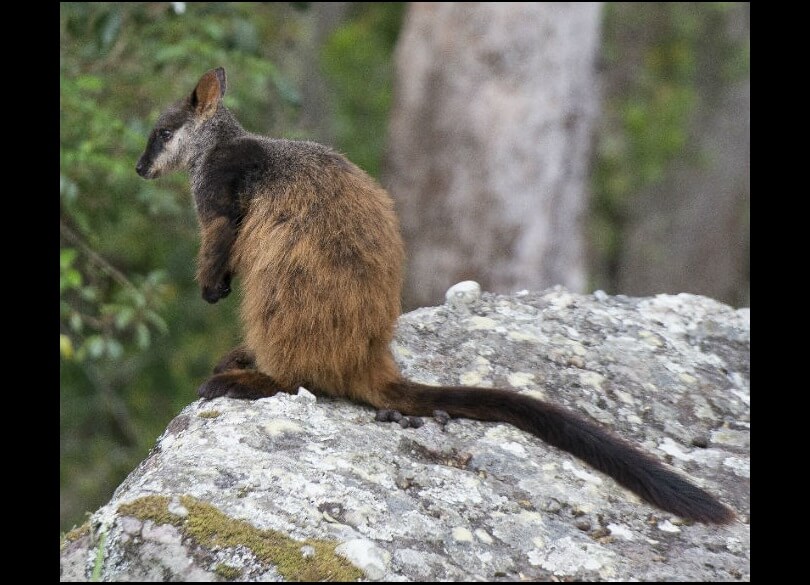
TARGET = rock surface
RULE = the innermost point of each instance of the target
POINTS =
(299, 487)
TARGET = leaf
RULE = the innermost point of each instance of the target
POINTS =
(139, 298)
(95, 346)
(69, 279)
(76, 322)
(65, 347)
(142, 336)
(89, 83)
(114, 349)
(110, 25)
(156, 277)
(124, 317)
(73, 278)
(89, 293)
(66, 257)
(157, 321)
(68, 188)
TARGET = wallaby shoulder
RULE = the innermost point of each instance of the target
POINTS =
(235, 171)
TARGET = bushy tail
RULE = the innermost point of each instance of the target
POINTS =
(627, 464)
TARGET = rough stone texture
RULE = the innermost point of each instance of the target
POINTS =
(475, 501)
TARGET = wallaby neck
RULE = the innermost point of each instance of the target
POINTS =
(221, 128)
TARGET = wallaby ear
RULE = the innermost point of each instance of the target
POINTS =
(209, 91)
(223, 81)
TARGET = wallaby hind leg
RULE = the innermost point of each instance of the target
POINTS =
(239, 358)
(245, 384)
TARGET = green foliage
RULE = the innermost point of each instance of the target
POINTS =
(660, 50)
(650, 119)
(357, 62)
(136, 338)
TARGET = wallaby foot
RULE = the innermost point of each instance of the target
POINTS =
(244, 384)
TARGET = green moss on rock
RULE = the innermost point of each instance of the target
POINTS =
(213, 529)
(209, 413)
(154, 508)
(228, 572)
(75, 534)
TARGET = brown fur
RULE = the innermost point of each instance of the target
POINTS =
(321, 266)
(316, 244)
(244, 384)
(239, 358)
(213, 267)
(321, 283)
(207, 94)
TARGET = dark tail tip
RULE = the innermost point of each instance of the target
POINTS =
(706, 509)
(674, 494)
(659, 485)
(723, 516)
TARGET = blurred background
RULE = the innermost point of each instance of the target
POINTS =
(594, 145)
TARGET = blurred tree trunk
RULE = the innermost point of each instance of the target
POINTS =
(317, 113)
(300, 57)
(489, 143)
(689, 230)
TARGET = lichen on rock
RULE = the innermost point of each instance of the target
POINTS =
(298, 486)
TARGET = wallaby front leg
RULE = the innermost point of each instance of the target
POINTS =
(217, 236)
(239, 358)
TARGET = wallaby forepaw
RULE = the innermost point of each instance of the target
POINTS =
(218, 291)
(236, 360)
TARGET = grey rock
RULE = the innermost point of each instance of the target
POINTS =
(366, 555)
(466, 500)
(76, 559)
(463, 293)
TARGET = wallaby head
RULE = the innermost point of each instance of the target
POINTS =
(185, 129)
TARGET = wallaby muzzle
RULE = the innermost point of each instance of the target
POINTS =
(140, 168)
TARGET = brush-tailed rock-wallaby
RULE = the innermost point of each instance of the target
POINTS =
(317, 247)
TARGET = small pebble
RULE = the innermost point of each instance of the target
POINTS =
(403, 482)
(416, 421)
(576, 361)
(600, 533)
(583, 524)
(463, 293)
(700, 441)
(404, 422)
(441, 417)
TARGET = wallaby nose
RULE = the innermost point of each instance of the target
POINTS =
(142, 169)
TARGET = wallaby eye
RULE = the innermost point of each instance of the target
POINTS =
(165, 134)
